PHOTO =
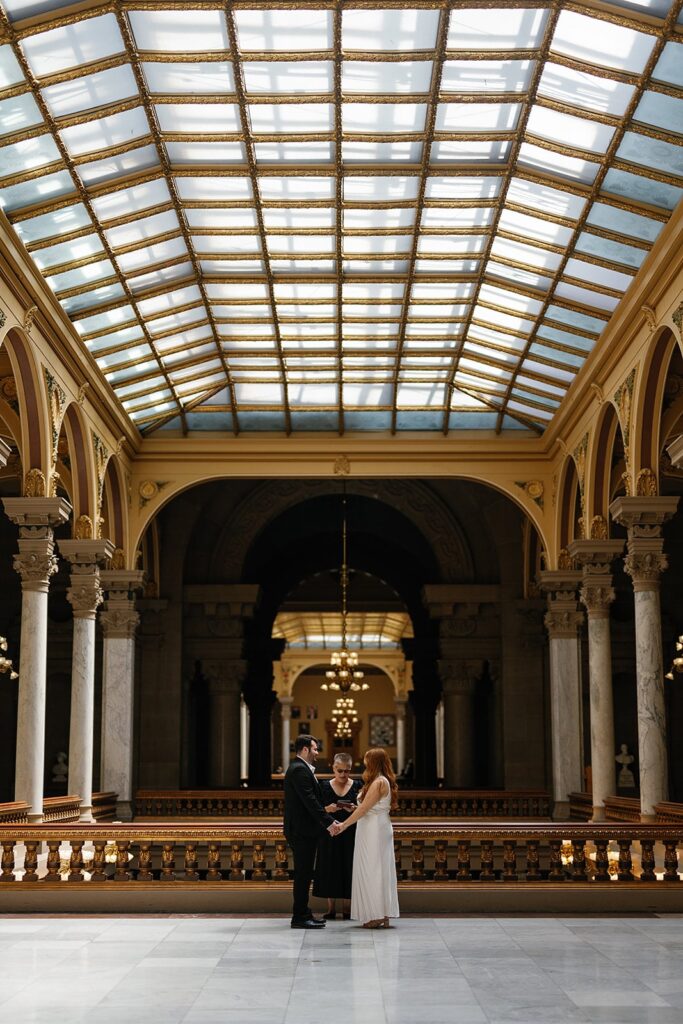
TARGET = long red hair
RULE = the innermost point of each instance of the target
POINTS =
(378, 762)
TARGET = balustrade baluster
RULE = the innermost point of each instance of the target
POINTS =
(556, 873)
(397, 859)
(671, 860)
(76, 861)
(258, 861)
(53, 861)
(440, 859)
(191, 864)
(121, 873)
(487, 873)
(579, 860)
(281, 862)
(236, 862)
(144, 861)
(31, 861)
(601, 861)
(213, 863)
(418, 865)
(509, 860)
(98, 862)
(167, 863)
(647, 860)
(7, 861)
(625, 872)
(533, 873)
(464, 861)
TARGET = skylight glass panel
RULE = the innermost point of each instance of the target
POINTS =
(380, 189)
(446, 244)
(472, 76)
(289, 77)
(518, 275)
(586, 297)
(130, 200)
(226, 244)
(274, 188)
(214, 189)
(601, 43)
(572, 167)
(654, 153)
(381, 152)
(378, 30)
(669, 67)
(534, 228)
(383, 118)
(150, 254)
(18, 112)
(470, 151)
(558, 127)
(581, 89)
(72, 45)
(607, 249)
(293, 152)
(386, 77)
(106, 132)
(115, 166)
(663, 111)
(495, 29)
(89, 274)
(10, 69)
(594, 274)
(477, 117)
(221, 219)
(544, 198)
(192, 77)
(169, 31)
(27, 155)
(456, 217)
(294, 118)
(625, 222)
(384, 217)
(218, 153)
(66, 252)
(289, 30)
(198, 119)
(78, 94)
(51, 186)
(298, 218)
(300, 244)
(377, 244)
(633, 186)
(462, 187)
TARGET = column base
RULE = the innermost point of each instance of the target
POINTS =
(599, 813)
(35, 819)
(124, 810)
(561, 810)
(647, 819)
(86, 815)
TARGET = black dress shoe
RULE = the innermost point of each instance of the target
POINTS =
(311, 922)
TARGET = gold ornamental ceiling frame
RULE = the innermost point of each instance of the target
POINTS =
(479, 364)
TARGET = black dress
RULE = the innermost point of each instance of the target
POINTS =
(334, 865)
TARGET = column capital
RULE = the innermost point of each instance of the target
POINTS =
(643, 512)
(459, 677)
(90, 554)
(85, 593)
(645, 562)
(400, 705)
(225, 676)
(36, 512)
(120, 621)
(36, 560)
(597, 594)
(563, 620)
(286, 708)
(121, 584)
(559, 581)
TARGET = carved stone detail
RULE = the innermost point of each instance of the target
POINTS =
(677, 317)
(645, 567)
(534, 489)
(29, 317)
(598, 392)
(650, 317)
(596, 595)
(118, 559)
(646, 483)
(623, 397)
(119, 621)
(36, 560)
(565, 560)
(85, 593)
(598, 529)
(35, 485)
(563, 622)
(84, 528)
(342, 466)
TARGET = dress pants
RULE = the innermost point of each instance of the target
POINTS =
(303, 851)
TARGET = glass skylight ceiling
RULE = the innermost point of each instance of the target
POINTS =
(340, 218)
(312, 630)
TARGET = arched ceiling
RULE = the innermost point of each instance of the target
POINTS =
(328, 217)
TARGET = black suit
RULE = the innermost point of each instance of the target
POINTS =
(305, 821)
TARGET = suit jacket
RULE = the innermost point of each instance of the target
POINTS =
(305, 815)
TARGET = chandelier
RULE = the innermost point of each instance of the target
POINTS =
(677, 664)
(6, 663)
(343, 673)
(344, 716)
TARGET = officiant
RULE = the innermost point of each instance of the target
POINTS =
(334, 866)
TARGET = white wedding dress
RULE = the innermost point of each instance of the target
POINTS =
(373, 887)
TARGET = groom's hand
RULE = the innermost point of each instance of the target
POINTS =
(334, 829)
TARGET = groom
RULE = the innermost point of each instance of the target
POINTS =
(305, 820)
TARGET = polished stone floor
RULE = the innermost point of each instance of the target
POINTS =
(460, 970)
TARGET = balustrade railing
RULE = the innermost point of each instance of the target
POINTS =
(413, 803)
(436, 853)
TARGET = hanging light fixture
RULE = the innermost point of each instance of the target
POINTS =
(344, 716)
(6, 663)
(343, 673)
(677, 664)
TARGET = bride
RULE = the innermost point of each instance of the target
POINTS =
(374, 897)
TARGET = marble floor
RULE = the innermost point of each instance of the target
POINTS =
(444, 970)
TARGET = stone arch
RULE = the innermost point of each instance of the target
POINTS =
(646, 442)
(293, 664)
(35, 445)
(422, 508)
(598, 475)
(82, 471)
(568, 496)
(115, 508)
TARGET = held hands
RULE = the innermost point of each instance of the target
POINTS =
(335, 828)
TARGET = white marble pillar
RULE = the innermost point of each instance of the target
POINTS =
(645, 562)
(458, 726)
(85, 596)
(286, 718)
(400, 705)
(563, 622)
(225, 682)
(597, 594)
(35, 563)
(119, 621)
(244, 740)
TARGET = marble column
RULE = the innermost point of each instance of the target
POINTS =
(645, 562)
(597, 594)
(286, 717)
(244, 740)
(459, 684)
(35, 563)
(225, 683)
(563, 622)
(119, 621)
(85, 596)
(400, 706)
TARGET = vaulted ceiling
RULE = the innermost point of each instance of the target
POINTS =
(328, 216)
